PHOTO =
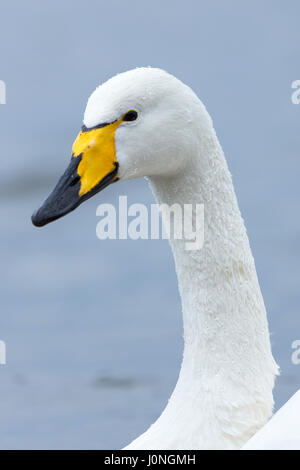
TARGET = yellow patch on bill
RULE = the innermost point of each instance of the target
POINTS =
(97, 147)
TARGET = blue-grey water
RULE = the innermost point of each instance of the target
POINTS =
(93, 328)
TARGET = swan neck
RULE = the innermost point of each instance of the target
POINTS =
(224, 391)
(224, 316)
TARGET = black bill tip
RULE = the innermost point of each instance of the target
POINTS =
(65, 196)
(41, 217)
(37, 220)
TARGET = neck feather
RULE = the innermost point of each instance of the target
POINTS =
(228, 368)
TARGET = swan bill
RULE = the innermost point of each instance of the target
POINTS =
(93, 166)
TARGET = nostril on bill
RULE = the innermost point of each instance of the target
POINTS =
(75, 180)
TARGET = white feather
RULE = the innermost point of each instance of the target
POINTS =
(224, 392)
(282, 432)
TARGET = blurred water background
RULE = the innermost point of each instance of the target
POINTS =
(93, 329)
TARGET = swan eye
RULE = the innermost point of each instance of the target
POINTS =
(130, 116)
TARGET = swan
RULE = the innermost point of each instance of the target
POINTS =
(282, 432)
(147, 123)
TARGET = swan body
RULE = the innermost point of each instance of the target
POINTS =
(282, 432)
(224, 391)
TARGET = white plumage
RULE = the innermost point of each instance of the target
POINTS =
(224, 391)
(282, 432)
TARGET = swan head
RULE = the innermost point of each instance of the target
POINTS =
(140, 123)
